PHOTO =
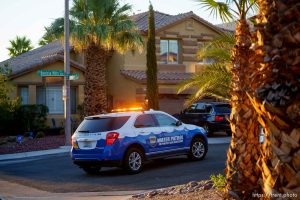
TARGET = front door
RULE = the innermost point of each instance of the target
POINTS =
(172, 137)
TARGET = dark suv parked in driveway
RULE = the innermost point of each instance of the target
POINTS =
(212, 116)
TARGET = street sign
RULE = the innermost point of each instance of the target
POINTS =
(57, 73)
(73, 77)
(51, 73)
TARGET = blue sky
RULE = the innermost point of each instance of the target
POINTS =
(28, 17)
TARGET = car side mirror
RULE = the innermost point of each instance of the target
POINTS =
(178, 123)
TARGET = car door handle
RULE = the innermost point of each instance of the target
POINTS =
(142, 131)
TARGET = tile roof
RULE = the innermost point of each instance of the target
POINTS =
(38, 57)
(162, 77)
(162, 20)
(231, 26)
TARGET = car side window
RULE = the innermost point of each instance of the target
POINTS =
(165, 120)
(144, 121)
(208, 109)
(191, 109)
(200, 108)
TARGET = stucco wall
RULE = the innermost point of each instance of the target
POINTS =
(32, 79)
(122, 90)
(190, 34)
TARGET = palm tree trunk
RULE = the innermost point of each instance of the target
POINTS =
(242, 172)
(278, 94)
(95, 91)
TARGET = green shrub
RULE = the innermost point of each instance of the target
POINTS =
(32, 117)
(40, 134)
(219, 181)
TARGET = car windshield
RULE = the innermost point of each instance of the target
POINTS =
(98, 124)
(223, 108)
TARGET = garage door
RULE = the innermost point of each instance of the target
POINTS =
(171, 103)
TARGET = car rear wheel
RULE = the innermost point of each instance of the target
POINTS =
(198, 149)
(91, 169)
(134, 160)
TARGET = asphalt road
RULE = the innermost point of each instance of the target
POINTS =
(56, 173)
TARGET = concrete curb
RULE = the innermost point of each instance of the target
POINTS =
(62, 149)
(221, 140)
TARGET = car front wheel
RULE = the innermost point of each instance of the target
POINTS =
(198, 149)
(134, 161)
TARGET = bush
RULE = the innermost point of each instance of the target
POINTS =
(16, 118)
(32, 117)
(40, 134)
(219, 181)
(8, 113)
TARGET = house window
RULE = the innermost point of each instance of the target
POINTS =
(203, 45)
(169, 51)
(51, 96)
(24, 95)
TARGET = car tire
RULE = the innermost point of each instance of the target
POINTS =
(198, 149)
(134, 160)
(92, 170)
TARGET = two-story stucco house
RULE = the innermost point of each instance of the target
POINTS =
(177, 39)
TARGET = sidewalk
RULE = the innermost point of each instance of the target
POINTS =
(62, 149)
(14, 191)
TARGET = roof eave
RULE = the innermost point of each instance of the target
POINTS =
(47, 62)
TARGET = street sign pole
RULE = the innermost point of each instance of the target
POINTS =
(66, 88)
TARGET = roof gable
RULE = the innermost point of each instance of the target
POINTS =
(36, 58)
(163, 21)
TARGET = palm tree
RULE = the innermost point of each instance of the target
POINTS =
(51, 32)
(19, 45)
(276, 81)
(214, 79)
(99, 28)
(242, 173)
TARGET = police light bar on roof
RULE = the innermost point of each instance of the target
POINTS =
(127, 109)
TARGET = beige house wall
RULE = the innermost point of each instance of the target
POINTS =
(121, 89)
(126, 92)
(32, 80)
(136, 60)
(190, 34)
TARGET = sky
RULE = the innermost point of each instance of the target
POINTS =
(28, 17)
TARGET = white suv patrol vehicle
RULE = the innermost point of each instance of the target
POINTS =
(128, 139)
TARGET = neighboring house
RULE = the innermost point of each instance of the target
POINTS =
(177, 39)
(231, 26)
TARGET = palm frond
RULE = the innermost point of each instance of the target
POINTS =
(213, 81)
(217, 9)
(105, 23)
(19, 45)
(218, 49)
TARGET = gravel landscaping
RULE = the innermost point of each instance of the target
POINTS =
(192, 191)
(8, 144)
